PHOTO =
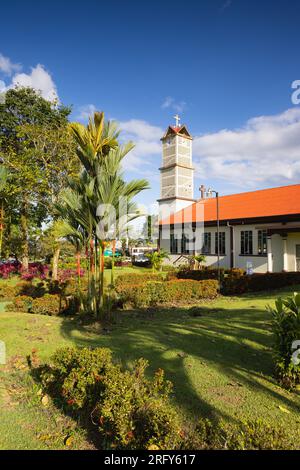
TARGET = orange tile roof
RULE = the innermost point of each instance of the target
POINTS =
(284, 200)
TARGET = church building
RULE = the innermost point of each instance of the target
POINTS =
(258, 231)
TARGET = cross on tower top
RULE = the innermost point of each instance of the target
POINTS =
(177, 119)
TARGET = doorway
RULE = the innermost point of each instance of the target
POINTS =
(297, 257)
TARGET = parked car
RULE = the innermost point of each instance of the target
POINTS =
(140, 260)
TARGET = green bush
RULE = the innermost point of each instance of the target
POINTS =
(236, 282)
(28, 288)
(200, 274)
(49, 304)
(179, 291)
(130, 411)
(286, 330)
(22, 303)
(7, 292)
(75, 376)
(134, 412)
(125, 280)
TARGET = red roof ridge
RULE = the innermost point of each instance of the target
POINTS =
(251, 192)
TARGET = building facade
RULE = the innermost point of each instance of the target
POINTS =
(257, 230)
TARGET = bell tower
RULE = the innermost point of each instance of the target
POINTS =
(176, 172)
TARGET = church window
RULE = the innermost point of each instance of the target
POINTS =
(222, 244)
(246, 242)
(262, 242)
(206, 245)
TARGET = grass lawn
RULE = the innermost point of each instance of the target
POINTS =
(217, 355)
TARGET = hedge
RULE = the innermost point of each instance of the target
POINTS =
(180, 291)
(49, 304)
(125, 280)
(238, 284)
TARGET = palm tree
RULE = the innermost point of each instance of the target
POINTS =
(100, 185)
(156, 259)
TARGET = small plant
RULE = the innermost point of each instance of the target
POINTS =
(156, 259)
(198, 261)
(286, 330)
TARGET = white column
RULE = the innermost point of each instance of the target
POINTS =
(270, 255)
(285, 256)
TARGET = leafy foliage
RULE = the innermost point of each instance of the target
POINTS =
(173, 292)
(286, 330)
(129, 410)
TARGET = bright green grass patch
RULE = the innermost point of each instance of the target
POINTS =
(218, 357)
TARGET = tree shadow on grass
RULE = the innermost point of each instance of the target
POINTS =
(228, 349)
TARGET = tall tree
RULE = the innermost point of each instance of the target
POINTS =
(38, 149)
(100, 184)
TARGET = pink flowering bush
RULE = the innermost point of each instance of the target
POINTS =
(7, 269)
(67, 274)
(35, 270)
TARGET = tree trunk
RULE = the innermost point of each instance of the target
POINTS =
(1, 227)
(24, 232)
(113, 263)
(55, 264)
(92, 256)
(78, 264)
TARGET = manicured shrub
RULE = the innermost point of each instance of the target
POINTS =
(7, 292)
(199, 274)
(47, 305)
(125, 280)
(22, 303)
(235, 284)
(286, 330)
(179, 291)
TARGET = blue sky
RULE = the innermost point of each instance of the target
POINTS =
(225, 66)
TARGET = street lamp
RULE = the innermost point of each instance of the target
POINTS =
(218, 233)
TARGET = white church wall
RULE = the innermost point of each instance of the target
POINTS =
(293, 239)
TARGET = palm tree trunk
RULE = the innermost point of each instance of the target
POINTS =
(55, 263)
(78, 266)
(112, 279)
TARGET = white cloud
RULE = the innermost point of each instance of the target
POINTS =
(266, 151)
(85, 112)
(39, 79)
(144, 158)
(170, 103)
(7, 66)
